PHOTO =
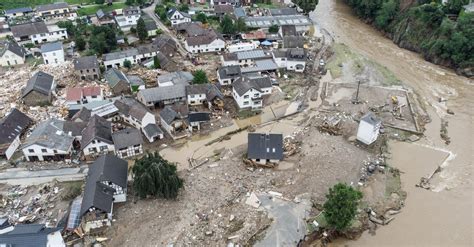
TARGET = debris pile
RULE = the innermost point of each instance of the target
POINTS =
(291, 146)
(370, 167)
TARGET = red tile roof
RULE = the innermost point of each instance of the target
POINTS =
(76, 93)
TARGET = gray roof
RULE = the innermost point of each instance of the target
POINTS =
(158, 94)
(204, 39)
(121, 54)
(260, 65)
(28, 29)
(244, 84)
(27, 235)
(150, 25)
(371, 119)
(97, 129)
(40, 82)
(252, 54)
(178, 77)
(113, 76)
(52, 6)
(50, 134)
(83, 114)
(152, 130)
(283, 11)
(296, 54)
(165, 44)
(267, 21)
(131, 107)
(293, 42)
(131, 10)
(288, 30)
(265, 146)
(13, 125)
(126, 138)
(97, 195)
(223, 9)
(239, 12)
(18, 10)
(210, 90)
(88, 62)
(173, 10)
(170, 113)
(135, 80)
(227, 72)
(199, 117)
(13, 46)
(49, 47)
(74, 128)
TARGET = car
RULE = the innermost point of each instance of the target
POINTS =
(321, 62)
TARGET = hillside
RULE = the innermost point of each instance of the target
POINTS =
(11, 4)
(443, 34)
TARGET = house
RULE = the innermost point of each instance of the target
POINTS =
(104, 19)
(177, 17)
(128, 142)
(263, 148)
(136, 115)
(87, 68)
(166, 45)
(39, 89)
(48, 142)
(97, 137)
(173, 119)
(55, 11)
(136, 83)
(242, 46)
(74, 129)
(153, 132)
(228, 74)
(106, 184)
(82, 116)
(18, 12)
(287, 30)
(118, 81)
(226, 2)
(151, 27)
(103, 108)
(195, 120)
(210, 41)
(53, 53)
(12, 127)
(222, 10)
(291, 59)
(369, 128)
(175, 78)
(283, 11)
(83, 95)
(301, 22)
(165, 63)
(248, 92)
(117, 59)
(293, 42)
(200, 94)
(129, 17)
(31, 235)
(245, 58)
(159, 96)
(38, 32)
(11, 53)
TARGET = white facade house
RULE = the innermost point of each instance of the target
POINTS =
(55, 11)
(248, 46)
(207, 42)
(228, 74)
(18, 12)
(37, 33)
(12, 126)
(128, 142)
(293, 59)
(369, 127)
(129, 18)
(83, 95)
(97, 137)
(53, 53)
(245, 58)
(11, 53)
(248, 92)
(177, 17)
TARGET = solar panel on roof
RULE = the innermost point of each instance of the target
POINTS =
(74, 218)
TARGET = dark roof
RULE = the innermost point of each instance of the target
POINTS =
(288, 30)
(52, 6)
(88, 62)
(97, 195)
(113, 76)
(165, 44)
(223, 9)
(49, 47)
(18, 10)
(198, 117)
(12, 125)
(229, 71)
(173, 10)
(152, 130)
(239, 12)
(83, 114)
(157, 94)
(206, 38)
(97, 128)
(13, 46)
(293, 42)
(131, 10)
(50, 134)
(40, 82)
(150, 25)
(74, 128)
(28, 29)
(129, 106)
(213, 92)
(244, 84)
(210, 90)
(370, 118)
(265, 146)
(170, 113)
(126, 138)
(283, 11)
(27, 235)
(296, 53)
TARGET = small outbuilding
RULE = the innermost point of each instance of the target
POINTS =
(369, 127)
(264, 148)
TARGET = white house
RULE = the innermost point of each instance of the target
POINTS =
(12, 126)
(11, 53)
(293, 59)
(48, 142)
(134, 113)
(228, 74)
(245, 58)
(55, 11)
(97, 137)
(243, 46)
(369, 127)
(209, 41)
(128, 142)
(38, 32)
(83, 95)
(177, 17)
(248, 92)
(116, 59)
(53, 53)
(129, 18)
(18, 12)
(263, 148)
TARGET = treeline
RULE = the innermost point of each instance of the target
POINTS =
(442, 33)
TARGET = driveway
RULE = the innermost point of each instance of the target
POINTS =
(22, 176)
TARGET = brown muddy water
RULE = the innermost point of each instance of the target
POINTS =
(443, 216)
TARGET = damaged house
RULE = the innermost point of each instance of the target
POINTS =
(12, 127)
(39, 89)
(160, 96)
(195, 120)
(118, 81)
(11, 53)
(228, 74)
(174, 120)
(128, 142)
(38, 32)
(264, 148)
(369, 128)
(97, 137)
(291, 59)
(204, 94)
(87, 68)
(30, 235)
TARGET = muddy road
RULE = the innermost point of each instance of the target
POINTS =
(444, 215)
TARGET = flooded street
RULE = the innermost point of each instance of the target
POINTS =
(445, 215)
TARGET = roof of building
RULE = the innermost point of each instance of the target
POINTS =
(191, 28)
(88, 62)
(40, 82)
(244, 84)
(50, 134)
(210, 90)
(13, 46)
(199, 117)
(204, 39)
(258, 34)
(13, 125)
(177, 78)
(223, 9)
(231, 71)
(121, 54)
(260, 66)
(83, 114)
(135, 80)
(165, 43)
(49, 47)
(76, 93)
(18, 10)
(27, 235)
(97, 195)
(150, 25)
(174, 10)
(152, 130)
(371, 119)
(52, 6)
(97, 128)
(172, 112)
(239, 12)
(283, 11)
(265, 146)
(293, 42)
(131, 107)
(126, 138)
(157, 94)
(244, 55)
(131, 10)
(113, 76)
(288, 30)
(74, 128)
(267, 21)
(28, 29)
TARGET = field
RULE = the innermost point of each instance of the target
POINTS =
(92, 9)
(10, 4)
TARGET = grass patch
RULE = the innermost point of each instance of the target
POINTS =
(71, 190)
(390, 78)
(393, 184)
(33, 61)
(12, 4)
(243, 114)
(92, 9)
(342, 54)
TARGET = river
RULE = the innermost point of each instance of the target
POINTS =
(442, 216)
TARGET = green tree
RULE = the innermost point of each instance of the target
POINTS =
(240, 25)
(341, 206)
(129, 2)
(127, 64)
(455, 6)
(70, 28)
(99, 1)
(273, 29)
(201, 17)
(386, 14)
(306, 5)
(156, 62)
(183, 8)
(155, 176)
(200, 77)
(140, 2)
(227, 26)
(80, 42)
(142, 33)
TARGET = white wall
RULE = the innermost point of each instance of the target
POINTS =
(13, 147)
(97, 144)
(53, 57)
(178, 18)
(38, 151)
(129, 152)
(196, 99)
(9, 59)
(242, 47)
(51, 36)
(367, 133)
(214, 46)
(55, 240)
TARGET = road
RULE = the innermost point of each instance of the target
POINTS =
(22, 176)
(150, 11)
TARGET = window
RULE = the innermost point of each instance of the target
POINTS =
(91, 150)
(44, 150)
(246, 96)
(55, 151)
(192, 96)
(103, 148)
(246, 102)
(137, 151)
(31, 150)
(94, 96)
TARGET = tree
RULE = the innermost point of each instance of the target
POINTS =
(273, 29)
(140, 2)
(227, 26)
(127, 64)
(386, 14)
(341, 206)
(240, 25)
(156, 62)
(80, 42)
(306, 5)
(200, 77)
(141, 30)
(99, 1)
(155, 176)
(201, 17)
(133, 30)
(183, 8)
(129, 2)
